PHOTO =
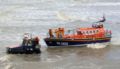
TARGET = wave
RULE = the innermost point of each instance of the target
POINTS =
(5, 62)
(97, 45)
(68, 16)
(62, 16)
(95, 2)
(105, 4)
(101, 4)
(115, 41)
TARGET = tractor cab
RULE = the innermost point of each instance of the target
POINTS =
(29, 45)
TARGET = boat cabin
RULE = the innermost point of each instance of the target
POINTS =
(96, 31)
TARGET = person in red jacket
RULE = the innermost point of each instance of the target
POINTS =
(37, 40)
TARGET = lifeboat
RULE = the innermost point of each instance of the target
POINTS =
(29, 46)
(78, 37)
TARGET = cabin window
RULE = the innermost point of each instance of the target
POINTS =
(87, 32)
(90, 32)
(97, 31)
(79, 32)
(94, 31)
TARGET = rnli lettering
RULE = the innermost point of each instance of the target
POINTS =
(58, 43)
(63, 43)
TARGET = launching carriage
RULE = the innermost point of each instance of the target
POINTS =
(29, 45)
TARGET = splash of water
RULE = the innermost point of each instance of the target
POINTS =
(115, 42)
(4, 61)
(97, 45)
(62, 16)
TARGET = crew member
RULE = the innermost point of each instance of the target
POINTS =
(37, 40)
(25, 41)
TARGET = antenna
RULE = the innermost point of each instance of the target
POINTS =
(103, 19)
